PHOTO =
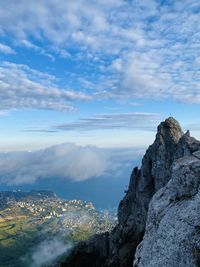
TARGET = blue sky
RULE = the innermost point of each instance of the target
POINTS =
(96, 72)
(91, 80)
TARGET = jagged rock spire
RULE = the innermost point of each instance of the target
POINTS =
(169, 131)
(170, 144)
(158, 159)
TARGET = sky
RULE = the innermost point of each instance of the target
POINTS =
(94, 74)
(99, 72)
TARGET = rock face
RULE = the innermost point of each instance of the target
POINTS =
(162, 171)
(172, 235)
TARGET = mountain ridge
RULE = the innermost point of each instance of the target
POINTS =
(119, 246)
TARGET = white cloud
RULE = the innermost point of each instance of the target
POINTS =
(106, 26)
(138, 121)
(47, 252)
(23, 87)
(151, 49)
(28, 44)
(5, 49)
(66, 161)
(38, 49)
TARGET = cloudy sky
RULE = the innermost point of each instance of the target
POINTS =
(101, 72)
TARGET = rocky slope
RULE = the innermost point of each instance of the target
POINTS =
(159, 205)
(172, 235)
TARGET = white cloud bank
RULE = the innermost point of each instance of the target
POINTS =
(65, 161)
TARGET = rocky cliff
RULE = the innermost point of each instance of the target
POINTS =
(160, 208)
(172, 234)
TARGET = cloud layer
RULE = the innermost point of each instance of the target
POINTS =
(66, 161)
(23, 87)
(63, 161)
(151, 46)
(138, 121)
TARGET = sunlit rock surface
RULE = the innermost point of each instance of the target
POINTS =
(172, 235)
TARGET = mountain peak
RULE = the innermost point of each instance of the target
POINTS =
(169, 131)
(171, 120)
(157, 173)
